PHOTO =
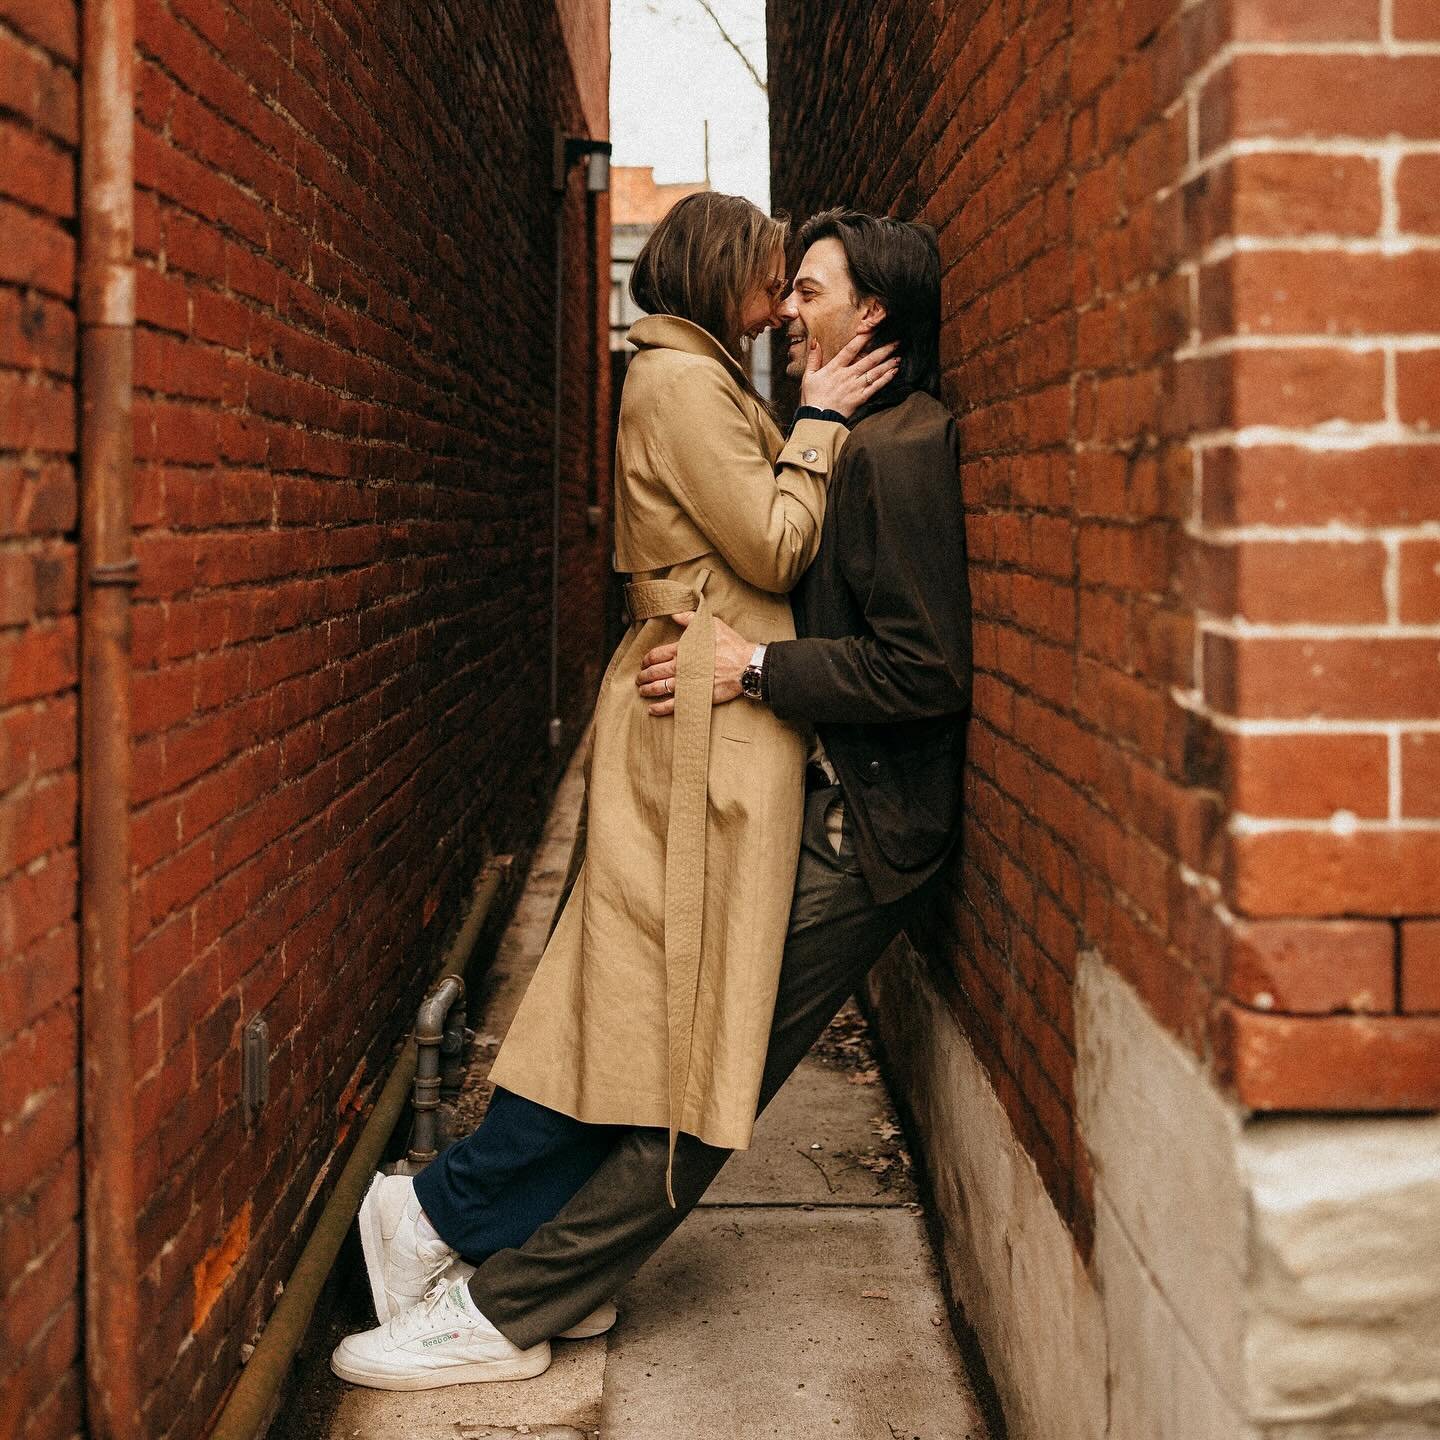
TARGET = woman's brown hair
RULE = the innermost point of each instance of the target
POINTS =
(702, 260)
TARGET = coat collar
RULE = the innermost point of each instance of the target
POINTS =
(670, 332)
(893, 394)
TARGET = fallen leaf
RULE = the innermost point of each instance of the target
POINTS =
(862, 1077)
(874, 1294)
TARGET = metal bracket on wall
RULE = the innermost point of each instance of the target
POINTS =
(255, 1066)
(567, 149)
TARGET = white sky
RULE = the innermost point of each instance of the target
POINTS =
(670, 71)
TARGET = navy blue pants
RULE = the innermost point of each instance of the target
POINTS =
(492, 1190)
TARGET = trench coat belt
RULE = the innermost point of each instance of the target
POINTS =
(685, 828)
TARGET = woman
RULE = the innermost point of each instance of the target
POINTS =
(652, 1003)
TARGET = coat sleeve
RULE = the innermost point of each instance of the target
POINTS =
(903, 555)
(765, 521)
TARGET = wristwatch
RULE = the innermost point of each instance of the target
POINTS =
(751, 677)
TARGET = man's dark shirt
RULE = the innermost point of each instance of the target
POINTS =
(882, 662)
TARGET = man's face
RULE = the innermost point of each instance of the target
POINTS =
(822, 305)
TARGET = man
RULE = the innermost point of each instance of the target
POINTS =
(881, 669)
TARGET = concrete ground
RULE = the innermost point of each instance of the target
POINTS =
(799, 1301)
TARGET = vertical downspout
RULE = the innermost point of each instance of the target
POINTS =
(107, 330)
(567, 149)
(556, 728)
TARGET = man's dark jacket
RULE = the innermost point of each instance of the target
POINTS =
(882, 662)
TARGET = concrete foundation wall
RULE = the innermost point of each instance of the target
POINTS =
(1251, 1279)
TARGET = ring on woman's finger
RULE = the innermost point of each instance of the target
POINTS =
(669, 687)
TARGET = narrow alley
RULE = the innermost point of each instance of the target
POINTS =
(800, 1301)
(313, 320)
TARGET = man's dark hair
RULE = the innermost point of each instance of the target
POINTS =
(898, 263)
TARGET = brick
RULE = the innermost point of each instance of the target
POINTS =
(51, 23)
(1309, 581)
(1360, 1063)
(1301, 194)
(35, 414)
(1417, 191)
(37, 89)
(1313, 967)
(1312, 96)
(1304, 387)
(1319, 873)
(1416, 20)
(1420, 581)
(1324, 21)
(1284, 485)
(1417, 388)
(1420, 775)
(1308, 776)
(37, 252)
(36, 172)
(1295, 292)
(37, 662)
(1389, 678)
(1420, 966)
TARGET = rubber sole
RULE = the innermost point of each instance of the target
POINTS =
(597, 1322)
(522, 1367)
(372, 1242)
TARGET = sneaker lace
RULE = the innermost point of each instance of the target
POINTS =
(422, 1316)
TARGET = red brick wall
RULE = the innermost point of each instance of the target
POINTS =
(342, 501)
(40, 1320)
(1190, 334)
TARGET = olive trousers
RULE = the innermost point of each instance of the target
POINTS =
(620, 1216)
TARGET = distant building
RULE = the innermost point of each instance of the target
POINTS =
(637, 205)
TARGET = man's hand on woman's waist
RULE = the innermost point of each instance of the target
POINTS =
(656, 679)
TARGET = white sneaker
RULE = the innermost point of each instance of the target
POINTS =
(597, 1322)
(403, 1256)
(444, 1340)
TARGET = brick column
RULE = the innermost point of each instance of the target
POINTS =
(1315, 148)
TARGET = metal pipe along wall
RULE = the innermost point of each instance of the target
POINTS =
(107, 331)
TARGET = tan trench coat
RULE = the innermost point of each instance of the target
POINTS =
(653, 1001)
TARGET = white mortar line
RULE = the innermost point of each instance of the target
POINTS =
(1238, 629)
(1390, 584)
(1191, 271)
(1343, 823)
(1336, 147)
(1361, 49)
(1389, 194)
(1334, 530)
(1337, 435)
(1229, 246)
(1243, 726)
(1414, 341)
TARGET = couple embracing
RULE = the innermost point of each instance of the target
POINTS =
(775, 777)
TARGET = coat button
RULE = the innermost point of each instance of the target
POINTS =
(872, 769)
(810, 456)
